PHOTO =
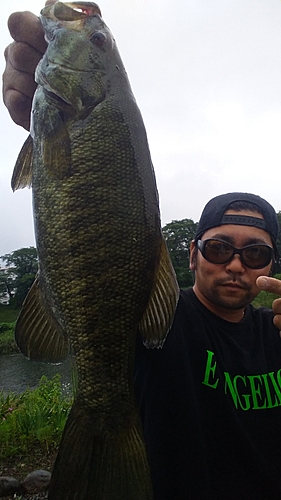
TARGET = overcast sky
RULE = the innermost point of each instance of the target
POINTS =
(207, 77)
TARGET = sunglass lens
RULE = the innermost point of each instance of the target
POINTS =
(217, 252)
(257, 256)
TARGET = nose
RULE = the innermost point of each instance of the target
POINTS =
(235, 265)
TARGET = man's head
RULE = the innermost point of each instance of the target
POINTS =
(225, 276)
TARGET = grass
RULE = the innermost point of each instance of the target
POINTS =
(8, 314)
(264, 299)
(34, 419)
(8, 317)
(7, 338)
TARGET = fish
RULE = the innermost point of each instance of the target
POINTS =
(105, 274)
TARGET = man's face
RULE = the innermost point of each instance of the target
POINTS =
(226, 289)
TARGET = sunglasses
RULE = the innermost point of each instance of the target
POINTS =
(219, 252)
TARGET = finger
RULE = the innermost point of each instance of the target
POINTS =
(50, 2)
(18, 75)
(277, 322)
(271, 285)
(18, 90)
(19, 106)
(18, 80)
(22, 57)
(26, 27)
(276, 306)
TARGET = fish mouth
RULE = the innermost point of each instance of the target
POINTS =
(86, 8)
(71, 11)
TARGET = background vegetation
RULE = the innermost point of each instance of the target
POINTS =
(34, 419)
(17, 275)
(8, 316)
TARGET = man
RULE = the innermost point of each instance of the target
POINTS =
(210, 400)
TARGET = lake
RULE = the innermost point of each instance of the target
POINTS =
(18, 373)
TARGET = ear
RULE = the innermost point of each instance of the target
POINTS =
(193, 256)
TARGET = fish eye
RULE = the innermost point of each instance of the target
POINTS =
(98, 38)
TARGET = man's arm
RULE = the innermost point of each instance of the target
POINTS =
(22, 57)
(272, 285)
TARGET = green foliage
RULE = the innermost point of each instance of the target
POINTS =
(18, 275)
(8, 314)
(4, 327)
(34, 418)
(264, 299)
(178, 235)
(8, 318)
(24, 261)
(7, 338)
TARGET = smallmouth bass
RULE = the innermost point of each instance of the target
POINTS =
(104, 270)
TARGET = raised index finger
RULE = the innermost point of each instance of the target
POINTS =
(271, 285)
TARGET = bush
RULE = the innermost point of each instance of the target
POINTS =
(7, 338)
(264, 299)
(35, 418)
(8, 314)
(8, 318)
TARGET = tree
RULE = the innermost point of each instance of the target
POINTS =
(6, 285)
(178, 235)
(18, 275)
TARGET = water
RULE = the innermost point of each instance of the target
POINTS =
(17, 373)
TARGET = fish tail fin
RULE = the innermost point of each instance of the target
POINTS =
(102, 465)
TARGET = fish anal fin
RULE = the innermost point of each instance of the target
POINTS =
(159, 314)
(22, 174)
(38, 334)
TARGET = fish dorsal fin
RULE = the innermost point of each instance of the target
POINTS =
(158, 317)
(38, 334)
(22, 174)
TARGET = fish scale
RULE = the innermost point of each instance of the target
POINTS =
(104, 271)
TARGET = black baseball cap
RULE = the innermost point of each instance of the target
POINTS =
(213, 214)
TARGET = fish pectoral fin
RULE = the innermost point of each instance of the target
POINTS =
(22, 174)
(38, 334)
(57, 153)
(159, 314)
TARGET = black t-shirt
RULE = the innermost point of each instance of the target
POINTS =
(210, 403)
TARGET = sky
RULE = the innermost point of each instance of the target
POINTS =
(206, 75)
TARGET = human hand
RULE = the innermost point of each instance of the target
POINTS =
(22, 57)
(272, 285)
